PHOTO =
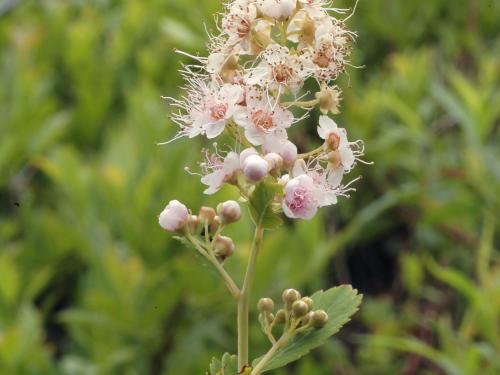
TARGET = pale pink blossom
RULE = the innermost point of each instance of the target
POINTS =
(206, 108)
(278, 69)
(174, 217)
(263, 119)
(218, 170)
(300, 201)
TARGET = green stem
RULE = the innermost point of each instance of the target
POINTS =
(310, 153)
(231, 285)
(267, 357)
(244, 299)
(303, 104)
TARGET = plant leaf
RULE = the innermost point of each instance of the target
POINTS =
(340, 303)
(261, 205)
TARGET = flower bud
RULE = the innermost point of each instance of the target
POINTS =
(274, 160)
(246, 153)
(265, 305)
(229, 212)
(289, 153)
(255, 168)
(280, 317)
(289, 296)
(329, 99)
(174, 217)
(308, 301)
(206, 214)
(223, 247)
(299, 309)
(319, 318)
(194, 224)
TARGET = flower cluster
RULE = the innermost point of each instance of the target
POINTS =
(246, 88)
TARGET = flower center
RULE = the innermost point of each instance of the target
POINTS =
(262, 120)
(321, 59)
(300, 199)
(218, 111)
(243, 27)
(282, 73)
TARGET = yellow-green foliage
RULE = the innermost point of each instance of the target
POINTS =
(89, 283)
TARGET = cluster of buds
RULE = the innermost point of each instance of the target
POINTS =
(245, 88)
(297, 314)
(208, 225)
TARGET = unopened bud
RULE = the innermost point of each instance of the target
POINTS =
(229, 212)
(289, 296)
(319, 318)
(299, 309)
(288, 153)
(246, 153)
(255, 168)
(280, 317)
(308, 301)
(206, 214)
(193, 224)
(265, 305)
(223, 247)
(174, 217)
(274, 160)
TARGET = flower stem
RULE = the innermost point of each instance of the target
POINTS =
(244, 299)
(231, 285)
(267, 357)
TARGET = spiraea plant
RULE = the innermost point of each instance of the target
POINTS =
(249, 90)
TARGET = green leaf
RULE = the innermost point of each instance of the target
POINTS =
(227, 366)
(261, 205)
(340, 303)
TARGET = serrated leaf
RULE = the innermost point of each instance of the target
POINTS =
(227, 366)
(340, 303)
(261, 205)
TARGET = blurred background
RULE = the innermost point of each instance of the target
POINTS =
(89, 283)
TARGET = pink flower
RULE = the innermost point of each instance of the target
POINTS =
(207, 108)
(300, 200)
(278, 68)
(263, 118)
(218, 171)
(174, 217)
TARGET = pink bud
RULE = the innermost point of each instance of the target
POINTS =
(174, 217)
(246, 153)
(229, 211)
(255, 168)
(288, 153)
(274, 160)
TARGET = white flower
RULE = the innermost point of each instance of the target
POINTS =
(174, 217)
(324, 192)
(217, 171)
(302, 28)
(331, 50)
(341, 156)
(241, 23)
(278, 68)
(263, 118)
(207, 108)
(277, 8)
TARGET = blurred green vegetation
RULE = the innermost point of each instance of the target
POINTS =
(89, 284)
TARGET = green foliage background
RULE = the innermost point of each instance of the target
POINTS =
(89, 284)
